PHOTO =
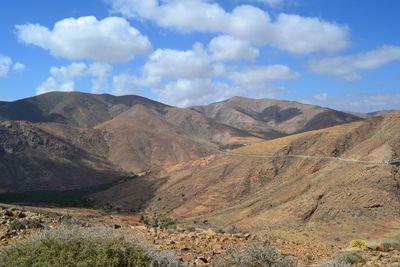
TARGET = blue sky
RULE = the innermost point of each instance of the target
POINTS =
(343, 54)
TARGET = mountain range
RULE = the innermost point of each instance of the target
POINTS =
(228, 163)
(99, 137)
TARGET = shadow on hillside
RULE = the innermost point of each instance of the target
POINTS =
(63, 198)
(131, 196)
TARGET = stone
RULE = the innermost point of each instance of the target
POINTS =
(8, 213)
(21, 214)
(203, 259)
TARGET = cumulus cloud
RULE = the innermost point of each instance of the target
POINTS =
(18, 66)
(197, 76)
(225, 47)
(109, 40)
(51, 84)
(63, 78)
(184, 92)
(124, 84)
(291, 33)
(6, 65)
(169, 63)
(347, 67)
(99, 72)
(259, 75)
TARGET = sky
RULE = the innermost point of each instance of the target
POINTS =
(342, 54)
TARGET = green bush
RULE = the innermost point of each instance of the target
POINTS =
(220, 230)
(24, 224)
(76, 246)
(167, 223)
(357, 244)
(69, 220)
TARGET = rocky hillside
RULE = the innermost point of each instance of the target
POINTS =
(64, 141)
(268, 118)
(32, 158)
(99, 137)
(248, 187)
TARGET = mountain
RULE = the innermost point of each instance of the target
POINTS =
(73, 108)
(43, 157)
(372, 114)
(146, 137)
(99, 138)
(269, 118)
(305, 196)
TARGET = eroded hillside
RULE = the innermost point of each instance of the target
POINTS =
(308, 195)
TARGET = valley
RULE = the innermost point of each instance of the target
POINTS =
(311, 179)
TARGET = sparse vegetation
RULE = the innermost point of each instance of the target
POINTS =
(349, 257)
(158, 221)
(167, 223)
(388, 245)
(233, 229)
(220, 230)
(106, 207)
(25, 224)
(76, 246)
(335, 264)
(69, 220)
(357, 244)
(191, 228)
(257, 254)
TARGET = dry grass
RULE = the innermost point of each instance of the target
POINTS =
(77, 246)
(256, 254)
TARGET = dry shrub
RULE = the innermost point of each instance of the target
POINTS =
(77, 246)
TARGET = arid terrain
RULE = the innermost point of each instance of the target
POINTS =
(308, 179)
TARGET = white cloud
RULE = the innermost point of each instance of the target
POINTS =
(169, 63)
(259, 75)
(18, 66)
(69, 72)
(291, 33)
(321, 97)
(184, 93)
(124, 84)
(346, 67)
(271, 3)
(5, 64)
(195, 76)
(63, 78)
(300, 35)
(110, 40)
(367, 102)
(52, 85)
(100, 72)
(225, 47)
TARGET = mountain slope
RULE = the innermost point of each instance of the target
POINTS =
(73, 108)
(308, 195)
(100, 136)
(269, 118)
(34, 158)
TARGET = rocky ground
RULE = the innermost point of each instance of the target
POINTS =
(195, 246)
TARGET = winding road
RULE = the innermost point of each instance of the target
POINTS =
(392, 162)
